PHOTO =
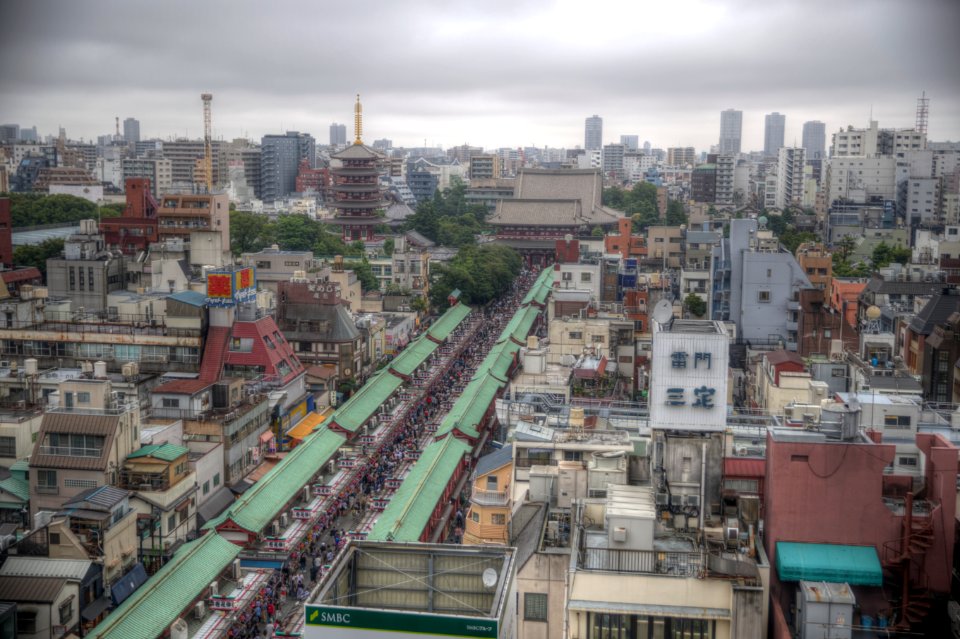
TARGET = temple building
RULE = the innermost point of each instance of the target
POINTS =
(549, 205)
(356, 187)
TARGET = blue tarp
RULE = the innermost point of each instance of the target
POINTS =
(855, 565)
(128, 584)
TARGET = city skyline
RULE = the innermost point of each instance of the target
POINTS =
(522, 94)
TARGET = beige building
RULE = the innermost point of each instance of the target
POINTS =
(487, 520)
(82, 443)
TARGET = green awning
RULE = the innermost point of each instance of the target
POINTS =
(855, 565)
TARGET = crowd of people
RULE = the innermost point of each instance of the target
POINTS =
(262, 618)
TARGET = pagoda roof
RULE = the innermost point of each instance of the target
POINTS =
(357, 152)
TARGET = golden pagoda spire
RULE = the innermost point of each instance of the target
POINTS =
(358, 121)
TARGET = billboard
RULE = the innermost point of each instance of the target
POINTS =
(341, 622)
(229, 287)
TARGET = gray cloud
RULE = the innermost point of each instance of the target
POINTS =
(494, 74)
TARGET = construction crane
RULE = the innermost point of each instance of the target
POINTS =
(207, 142)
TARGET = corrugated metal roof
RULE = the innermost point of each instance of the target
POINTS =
(744, 467)
(409, 510)
(182, 386)
(99, 498)
(855, 565)
(441, 329)
(413, 356)
(16, 566)
(75, 423)
(149, 611)
(193, 298)
(258, 506)
(468, 411)
(165, 452)
(31, 589)
(367, 400)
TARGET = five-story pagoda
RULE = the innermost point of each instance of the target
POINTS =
(356, 186)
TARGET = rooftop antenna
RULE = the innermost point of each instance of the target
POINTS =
(207, 142)
(118, 126)
(358, 121)
(923, 113)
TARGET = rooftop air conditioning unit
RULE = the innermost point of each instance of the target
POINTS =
(275, 528)
(199, 610)
(214, 589)
(284, 520)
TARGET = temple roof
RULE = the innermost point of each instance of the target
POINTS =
(357, 152)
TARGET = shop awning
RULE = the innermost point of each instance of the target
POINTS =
(306, 425)
(855, 565)
(95, 608)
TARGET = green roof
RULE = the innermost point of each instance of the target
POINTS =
(150, 610)
(471, 406)
(441, 329)
(16, 487)
(522, 328)
(541, 287)
(165, 452)
(855, 565)
(22, 465)
(260, 504)
(411, 506)
(413, 355)
(365, 402)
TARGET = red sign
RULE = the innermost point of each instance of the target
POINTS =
(219, 285)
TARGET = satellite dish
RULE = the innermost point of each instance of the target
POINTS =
(489, 578)
(663, 312)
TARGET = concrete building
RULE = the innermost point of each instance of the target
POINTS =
(814, 139)
(131, 131)
(274, 266)
(280, 157)
(874, 141)
(756, 284)
(338, 134)
(725, 189)
(613, 161)
(158, 170)
(703, 183)
(918, 200)
(630, 142)
(861, 178)
(87, 272)
(205, 217)
(186, 160)
(731, 128)
(491, 499)
(774, 128)
(484, 167)
(790, 163)
(681, 156)
(593, 133)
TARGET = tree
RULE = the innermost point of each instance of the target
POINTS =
(448, 218)
(482, 273)
(364, 272)
(249, 232)
(596, 232)
(388, 247)
(675, 213)
(37, 209)
(845, 247)
(884, 254)
(695, 305)
(38, 254)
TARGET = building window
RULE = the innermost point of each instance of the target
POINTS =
(474, 516)
(573, 455)
(751, 486)
(575, 335)
(535, 606)
(79, 483)
(763, 296)
(491, 482)
(566, 277)
(599, 339)
(66, 611)
(585, 277)
(83, 398)
(206, 487)
(47, 481)
(216, 480)
(908, 461)
(498, 519)
(171, 402)
(26, 622)
(171, 523)
(54, 539)
(896, 421)
(8, 446)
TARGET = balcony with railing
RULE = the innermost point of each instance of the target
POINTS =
(646, 562)
(490, 497)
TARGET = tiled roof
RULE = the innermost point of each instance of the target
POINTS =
(165, 452)
(496, 459)
(366, 401)
(893, 287)
(413, 356)
(155, 605)
(468, 411)
(781, 356)
(75, 423)
(410, 507)
(935, 312)
(585, 185)
(441, 329)
(16, 566)
(16, 487)
(357, 152)
(32, 589)
(182, 387)
(539, 212)
(259, 505)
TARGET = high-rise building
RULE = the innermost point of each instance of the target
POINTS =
(681, 156)
(593, 133)
(338, 134)
(731, 129)
(612, 161)
(814, 139)
(774, 128)
(790, 162)
(280, 157)
(9, 133)
(131, 130)
(632, 142)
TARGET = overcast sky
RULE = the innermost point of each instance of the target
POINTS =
(492, 73)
